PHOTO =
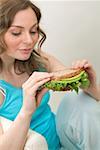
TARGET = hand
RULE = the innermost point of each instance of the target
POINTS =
(31, 99)
(89, 69)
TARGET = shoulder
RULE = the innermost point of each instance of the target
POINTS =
(2, 96)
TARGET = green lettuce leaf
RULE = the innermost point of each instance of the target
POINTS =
(73, 83)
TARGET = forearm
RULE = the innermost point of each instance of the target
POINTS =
(14, 138)
(52, 64)
(94, 92)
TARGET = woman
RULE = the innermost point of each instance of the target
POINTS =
(24, 67)
(20, 75)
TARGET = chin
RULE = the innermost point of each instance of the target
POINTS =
(24, 58)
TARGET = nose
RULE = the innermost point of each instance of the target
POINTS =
(28, 39)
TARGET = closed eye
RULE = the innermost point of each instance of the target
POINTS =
(16, 34)
(33, 32)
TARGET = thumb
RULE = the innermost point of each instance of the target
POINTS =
(40, 94)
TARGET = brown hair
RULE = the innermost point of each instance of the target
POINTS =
(8, 10)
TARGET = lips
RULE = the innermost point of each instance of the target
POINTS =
(26, 51)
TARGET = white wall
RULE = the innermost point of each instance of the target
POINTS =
(73, 30)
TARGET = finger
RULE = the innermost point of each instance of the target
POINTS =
(88, 65)
(76, 65)
(38, 76)
(83, 63)
(33, 90)
(38, 84)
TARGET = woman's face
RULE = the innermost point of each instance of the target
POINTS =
(22, 36)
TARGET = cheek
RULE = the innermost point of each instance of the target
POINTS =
(36, 37)
(11, 42)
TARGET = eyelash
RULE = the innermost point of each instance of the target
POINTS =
(17, 34)
(33, 32)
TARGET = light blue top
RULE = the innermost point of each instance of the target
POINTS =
(43, 120)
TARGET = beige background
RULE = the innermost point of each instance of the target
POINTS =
(73, 32)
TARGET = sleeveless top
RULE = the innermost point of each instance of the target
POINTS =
(43, 120)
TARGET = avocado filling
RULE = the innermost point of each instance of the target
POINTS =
(72, 83)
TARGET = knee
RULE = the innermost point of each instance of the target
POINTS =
(35, 141)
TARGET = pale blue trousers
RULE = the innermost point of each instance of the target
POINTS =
(78, 122)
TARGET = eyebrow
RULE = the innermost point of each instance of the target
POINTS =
(22, 26)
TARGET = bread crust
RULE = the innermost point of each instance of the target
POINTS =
(67, 73)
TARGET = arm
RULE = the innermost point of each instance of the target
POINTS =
(17, 131)
(14, 138)
(52, 63)
(1, 129)
(94, 92)
(21, 122)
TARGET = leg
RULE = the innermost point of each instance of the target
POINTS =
(78, 122)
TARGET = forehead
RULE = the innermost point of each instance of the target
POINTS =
(26, 16)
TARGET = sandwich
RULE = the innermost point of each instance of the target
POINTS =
(68, 79)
